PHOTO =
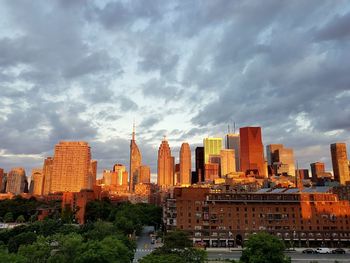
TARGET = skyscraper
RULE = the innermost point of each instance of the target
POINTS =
(71, 167)
(144, 174)
(2, 176)
(340, 162)
(252, 151)
(228, 164)
(135, 161)
(120, 170)
(199, 154)
(232, 142)
(185, 164)
(92, 173)
(211, 146)
(165, 165)
(16, 181)
(47, 173)
(281, 159)
(37, 179)
(317, 169)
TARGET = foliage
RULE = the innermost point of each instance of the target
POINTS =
(264, 248)
(13, 258)
(19, 206)
(8, 217)
(20, 239)
(177, 240)
(186, 255)
(20, 219)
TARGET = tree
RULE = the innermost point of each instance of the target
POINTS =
(177, 239)
(264, 248)
(20, 239)
(8, 217)
(20, 219)
(13, 258)
(37, 252)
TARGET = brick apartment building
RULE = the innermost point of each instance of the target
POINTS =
(221, 218)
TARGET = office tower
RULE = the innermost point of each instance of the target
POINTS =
(211, 171)
(228, 164)
(185, 164)
(215, 158)
(317, 169)
(110, 178)
(93, 173)
(281, 159)
(144, 174)
(135, 161)
(47, 173)
(340, 162)
(212, 146)
(37, 179)
(199, 154)
(303, 173)
(120, 170)
(71, 166)
(125, 178)
(16, 181)
(232, 142)
(165, 165)
(252, 151)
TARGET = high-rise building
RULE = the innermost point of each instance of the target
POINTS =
(93, 173)
(340, 162)
(281, 159)
(185, 164)
(144, 174)
(37, 179)
(120, 170)
(165, 165)
(47, 173)
(252, 151)
(228, 164)
(212, 146)
(71, 167)
(232, 142)
(317, 169)
(110, 178)
(135, 161)
(302, 173)
(211, 172)
(16, 181)
(177, 174)
(199, 154)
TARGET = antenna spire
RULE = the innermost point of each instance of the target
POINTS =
(133, 131)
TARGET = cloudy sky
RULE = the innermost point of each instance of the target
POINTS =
(84, 70)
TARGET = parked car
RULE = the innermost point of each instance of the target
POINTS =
(309, 251)
(323, 250)
(338, 251)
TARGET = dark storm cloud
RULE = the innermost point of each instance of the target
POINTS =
(337, 28)
(159, 88)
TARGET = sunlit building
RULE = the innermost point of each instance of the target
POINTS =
(120, 170)
(317, 170)
(165, 175)
(135, 161)
(340, 163)
(110, 178)
(71, 167)
(252, 151)
(227, 161)
(144, 174)
(37, 181)
(232, 142)
(212, 146)
(185, 164)
(16, 181)
(280, 159)
(211, 171)
(47, 173)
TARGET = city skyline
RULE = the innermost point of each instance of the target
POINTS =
(86, 75)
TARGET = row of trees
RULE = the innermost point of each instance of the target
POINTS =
(53, 240)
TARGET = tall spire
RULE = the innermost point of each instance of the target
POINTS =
(133, 131)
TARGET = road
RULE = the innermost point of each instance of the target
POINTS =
(144, 246)
(297, 257)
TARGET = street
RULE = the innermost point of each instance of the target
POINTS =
(144, 246)
(297, 257)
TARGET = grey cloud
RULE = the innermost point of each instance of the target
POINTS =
(159, 88)
(127, 104)
(337, 28)
(150, 121)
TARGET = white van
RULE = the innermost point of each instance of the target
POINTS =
(323, 250)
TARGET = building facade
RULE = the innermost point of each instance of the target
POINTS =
(232, 142)
(135, 161)
(71, 167)
(340, 163)
(199, 155)
(185, 164)
(165, 175)
(16, 181)
(38, 181)
(252, 151)
(227, 161)
(212, 146)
